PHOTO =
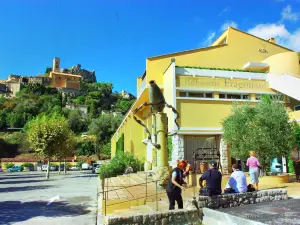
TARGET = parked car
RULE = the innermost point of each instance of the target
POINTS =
(52, 168)
(95, 166)
(85, 166)
(75, 168)
(15, 169)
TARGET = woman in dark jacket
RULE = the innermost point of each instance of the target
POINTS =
(175, 185)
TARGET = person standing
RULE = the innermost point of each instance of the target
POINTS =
(296, 162)
(176, 185)
(254, 166)
(213, 179)
(237, 182)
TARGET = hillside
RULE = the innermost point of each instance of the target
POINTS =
(95, 110)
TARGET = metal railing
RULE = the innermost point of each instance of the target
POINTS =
(142, 87)
(105, 193)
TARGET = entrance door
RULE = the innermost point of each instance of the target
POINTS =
(203, 147)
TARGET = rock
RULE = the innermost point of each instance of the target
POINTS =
(164, 221)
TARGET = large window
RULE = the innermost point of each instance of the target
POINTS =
(233, 96)
(193, 94)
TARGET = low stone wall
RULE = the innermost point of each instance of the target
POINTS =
(173, 217)
(232, 200)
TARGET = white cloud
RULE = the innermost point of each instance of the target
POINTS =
(287, 14)
(283, 36)
(208, 41)
(267, 31)
(227, 24)
(225, 10)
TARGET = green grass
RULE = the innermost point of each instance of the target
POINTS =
(224, 69)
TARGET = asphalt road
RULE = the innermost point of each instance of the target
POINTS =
(28, 198)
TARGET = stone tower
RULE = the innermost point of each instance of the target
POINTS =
(56, 64)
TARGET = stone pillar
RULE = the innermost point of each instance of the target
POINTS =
(178, 148)
(225, 157)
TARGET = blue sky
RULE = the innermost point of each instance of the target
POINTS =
(114, 37)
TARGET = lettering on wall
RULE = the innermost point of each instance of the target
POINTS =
(223, 83)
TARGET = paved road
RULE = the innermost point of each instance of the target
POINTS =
(274, 213)
(24, 197)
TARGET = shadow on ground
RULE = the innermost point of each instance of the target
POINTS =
(10, 177)
(26, 188)
(85, 176)
(15, 211)
(21, 181)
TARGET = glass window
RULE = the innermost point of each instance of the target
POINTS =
(257, 97)
(233, 96)
(208, 95)
(182, 94)
(196, 95)
(222, 95)
(246, 97)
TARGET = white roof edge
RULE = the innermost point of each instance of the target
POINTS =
(220, 73)
(256, 64)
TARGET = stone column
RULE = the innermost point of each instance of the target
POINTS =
(225, 157)
(178, 148)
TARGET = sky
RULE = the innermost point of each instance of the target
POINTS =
(114, 37)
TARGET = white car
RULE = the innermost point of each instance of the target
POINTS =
(75, 168)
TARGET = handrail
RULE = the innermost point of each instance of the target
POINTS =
(125, 187)
(134, 199)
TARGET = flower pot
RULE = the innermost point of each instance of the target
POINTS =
(203, 167)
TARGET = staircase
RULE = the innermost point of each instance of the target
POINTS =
(286, 84)
(127, 195)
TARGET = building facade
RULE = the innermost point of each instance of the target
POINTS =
(63, 80)
(203, 84)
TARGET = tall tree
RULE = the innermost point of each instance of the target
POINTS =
(48, 135)
(263, 128)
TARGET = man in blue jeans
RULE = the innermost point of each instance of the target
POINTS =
(213, 179)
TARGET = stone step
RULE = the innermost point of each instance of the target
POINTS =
(162, 206)
(140, 209)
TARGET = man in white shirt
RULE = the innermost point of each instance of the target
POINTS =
(237, 182)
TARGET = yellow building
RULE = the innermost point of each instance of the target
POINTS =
(63, 80)
(202, 85)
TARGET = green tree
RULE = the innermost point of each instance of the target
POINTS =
(80, 100)
(76, 121)
(48, 135)
(263, 128)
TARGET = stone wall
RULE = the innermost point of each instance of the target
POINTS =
(224, 156)
(174, 217)
(178, 148)
(232, 200)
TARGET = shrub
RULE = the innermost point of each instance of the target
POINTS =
(118, 165)
(79, 164)
(8, 165)
(291, 166)
(29, 165)
(120, 145)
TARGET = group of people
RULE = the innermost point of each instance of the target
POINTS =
(237, 182)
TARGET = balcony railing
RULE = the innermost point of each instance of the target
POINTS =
(142, 87)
